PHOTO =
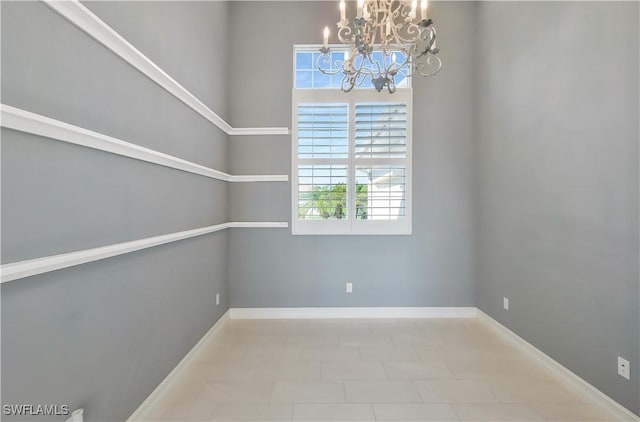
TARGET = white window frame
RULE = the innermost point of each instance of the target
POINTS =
(350, 225)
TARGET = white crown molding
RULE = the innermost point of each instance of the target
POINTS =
(562, 373)
(22, 269)
(358, 312)
(141, 413)
(83, 18)
(25, 121)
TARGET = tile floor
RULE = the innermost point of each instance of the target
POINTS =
(367, 370)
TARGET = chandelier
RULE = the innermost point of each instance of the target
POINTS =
(386, 42)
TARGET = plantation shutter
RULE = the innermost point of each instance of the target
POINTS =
(351, 162)
(323, 141)
(380, 130)
(323, 130)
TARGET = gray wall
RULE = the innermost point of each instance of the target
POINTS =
(431, 267)
(103, 335)
(525, 186)
(558, 182)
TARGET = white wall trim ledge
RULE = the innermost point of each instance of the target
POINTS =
(352, 312)
(562, 373)
(18, 270)
(36, 124)
(87, 21)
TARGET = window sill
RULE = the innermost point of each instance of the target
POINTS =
(370, 228)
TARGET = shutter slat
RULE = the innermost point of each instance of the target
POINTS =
(323, 131)
(380, 130)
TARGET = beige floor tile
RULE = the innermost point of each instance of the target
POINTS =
(179, 412)
(390, 353)
(392, 325)
(471, 368)
(321, 339)
(446, 324)
(477, 335)
(496, 412)
(293, 370)
(274, 370)
(419, 370)
(360, 340)
(437, 353)
(290, 371)
(183, 390)
(215, 351)
(485, 354)
(573, 412)
(533, 392)
(308, 392)
(329, 354)
(381, 392)
(252, 412)
(246, 326)
(338, 327)
(414, 412)
(273, 354)
(333, 412)
(234, 391)
(251, 340)
(220, 369)
(416, 339)
(455, 391)
(339, 322)
(288, 326)
(353, 371)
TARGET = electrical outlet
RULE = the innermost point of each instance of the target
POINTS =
(505, 303)
(349, 287)
(624, 369)
(217, 298)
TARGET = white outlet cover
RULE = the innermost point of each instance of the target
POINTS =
(624, 368)
(217, 298)
(349, 287)
(505, 303)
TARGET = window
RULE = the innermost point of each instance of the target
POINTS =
(351, 155)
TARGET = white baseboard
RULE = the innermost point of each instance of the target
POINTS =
(140, 413)
(564, 374)
(359, 312)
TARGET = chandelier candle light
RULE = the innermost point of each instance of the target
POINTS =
(385, 26)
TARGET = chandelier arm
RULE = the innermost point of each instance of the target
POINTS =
(432, 61)
(348, 82)
(333, 67)
(391, 86)
(377, 65)
(345, 33)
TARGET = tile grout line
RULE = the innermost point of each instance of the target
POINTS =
(344, 392)
(455, 412)
(373, 409)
